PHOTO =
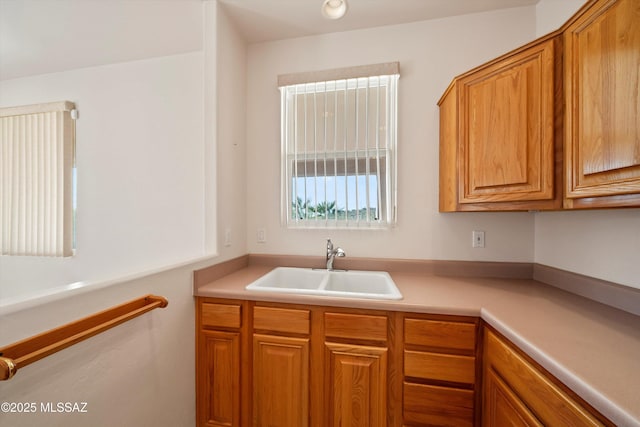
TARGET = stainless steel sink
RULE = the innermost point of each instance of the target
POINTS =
(349, 284)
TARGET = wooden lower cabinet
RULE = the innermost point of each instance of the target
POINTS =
(503, 406)
(285, 365)
(280, 381)
(437, 405)
(439, 387)
(221, 364)
(218, 362)
(356, 385)
(516, 392)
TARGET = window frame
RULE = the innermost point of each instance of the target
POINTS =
(344, 163)
(37, 183)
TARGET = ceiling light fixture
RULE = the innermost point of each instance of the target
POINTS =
(334, 9)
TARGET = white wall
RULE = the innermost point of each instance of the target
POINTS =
(140, 179)
(140, 373)
(604, 243)
(135, 72)
(552, 14)
(142, 196)
(231, 140)
(431, 53)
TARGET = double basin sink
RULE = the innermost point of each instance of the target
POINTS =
(334, 283)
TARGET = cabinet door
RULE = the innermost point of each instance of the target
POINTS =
(219, 379)
(506, 150)
(356, 385)
(512, 382)
(602, 69)
(280, 381)
(502, 407)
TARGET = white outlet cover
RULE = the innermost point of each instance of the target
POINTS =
(261, 235)
(478, 239)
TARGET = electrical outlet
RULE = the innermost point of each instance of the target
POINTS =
(478, 239)
(227, 237)
(261, 235)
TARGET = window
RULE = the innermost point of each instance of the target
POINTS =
(339, 147)
(36, 179)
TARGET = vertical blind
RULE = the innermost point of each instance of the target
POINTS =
(36, 183)
(338, 148)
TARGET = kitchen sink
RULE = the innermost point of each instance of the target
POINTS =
(289, 279)
(349, 284)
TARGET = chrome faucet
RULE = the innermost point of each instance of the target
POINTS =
(332, 253)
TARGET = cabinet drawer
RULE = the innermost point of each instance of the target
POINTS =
(442, 367)
(355, 326)
(434, 405)
(440, 334)
(221, 315)
(281, 320)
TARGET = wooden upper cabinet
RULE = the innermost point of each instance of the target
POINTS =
(602, 69)
(554, 124)
(498, 135)
(506, 129)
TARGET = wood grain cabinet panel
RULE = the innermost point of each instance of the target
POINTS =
(219, 379)
(438, 406)
(439, 370)
(356, 326)
(356, 385)
(440, 334)
(278, 319)
(506, 129)
(512, 383)
(503, 407)
(280, 381)
(498, 136)
(602, 69)
(439, 366)
(221, 315)
(554, 124)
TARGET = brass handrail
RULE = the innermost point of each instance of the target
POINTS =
(29, 350)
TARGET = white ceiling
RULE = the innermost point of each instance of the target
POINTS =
(45, 36)
(265, 20)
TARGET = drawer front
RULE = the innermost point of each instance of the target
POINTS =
(434, 405)
(281, 320)
(440, 334)
(442, 367)
(355, 326)
(221, 315)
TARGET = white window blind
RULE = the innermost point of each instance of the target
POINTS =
(36, 183)
(339, 147)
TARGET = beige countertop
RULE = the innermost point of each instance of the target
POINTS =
(593, 348)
